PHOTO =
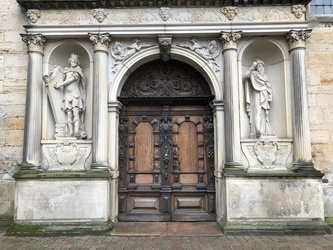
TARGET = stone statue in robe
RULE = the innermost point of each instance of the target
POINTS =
(258, 95)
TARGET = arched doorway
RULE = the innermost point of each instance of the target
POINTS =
(166, 145)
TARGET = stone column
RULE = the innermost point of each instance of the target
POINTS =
(100, 101)
(34, 96)
(301, 129)
(231, 100)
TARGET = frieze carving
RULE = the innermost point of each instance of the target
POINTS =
(209, 50)
(160, 79)
(298, 10)
(121, 51)
(99, 14)
(177, 16)
(33, 15)
(297, 38)
(165, 46)
(230, 12)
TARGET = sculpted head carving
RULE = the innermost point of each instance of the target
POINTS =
(298, 10)
(33, 15)
(230, 12)
(99, 14)
(164, 13)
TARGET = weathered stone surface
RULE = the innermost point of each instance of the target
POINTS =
(274, 199)
(66, 201)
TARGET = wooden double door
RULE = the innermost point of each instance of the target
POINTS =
(166, 162)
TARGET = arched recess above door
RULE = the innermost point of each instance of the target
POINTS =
(171, 81)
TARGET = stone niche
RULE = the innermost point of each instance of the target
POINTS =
(61, 149)
(270, 150)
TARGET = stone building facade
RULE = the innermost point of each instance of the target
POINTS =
(165, 111)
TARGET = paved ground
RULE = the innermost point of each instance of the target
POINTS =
(166, 241)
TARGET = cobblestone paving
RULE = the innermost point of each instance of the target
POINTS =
(166, 242)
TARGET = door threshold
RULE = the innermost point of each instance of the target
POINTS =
(167, 229)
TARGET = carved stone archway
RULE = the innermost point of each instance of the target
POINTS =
(166, 145)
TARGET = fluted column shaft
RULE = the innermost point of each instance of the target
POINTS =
(231, 99)
(34, 96)
(100, 101)
(301, 128)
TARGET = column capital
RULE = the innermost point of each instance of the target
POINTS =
(297, 38)
(35, 42)
(100, 41)
(229, 39)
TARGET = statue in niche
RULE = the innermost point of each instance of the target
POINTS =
(258, 95)
(73, 97)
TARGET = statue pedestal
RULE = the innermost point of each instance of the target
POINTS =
(68, 154)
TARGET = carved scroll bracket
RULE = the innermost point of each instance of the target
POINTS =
(165, 46)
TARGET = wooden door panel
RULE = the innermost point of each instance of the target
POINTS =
(144, 147)
(166, 164)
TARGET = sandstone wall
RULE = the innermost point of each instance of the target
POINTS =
(320, 96)
(13, 73)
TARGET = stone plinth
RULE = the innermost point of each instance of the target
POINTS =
(285, 202)
(62, 201)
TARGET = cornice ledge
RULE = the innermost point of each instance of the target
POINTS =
(92, 4)
(124, 31)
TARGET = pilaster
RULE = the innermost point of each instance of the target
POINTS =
(100, 104)
(301, 129)
(232, 131)
(34, 94)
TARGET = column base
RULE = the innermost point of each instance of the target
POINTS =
(99, 166)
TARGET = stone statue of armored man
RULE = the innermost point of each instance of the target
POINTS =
(70, 101)
(258, 95)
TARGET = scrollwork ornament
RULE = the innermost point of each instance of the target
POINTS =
(209, 50)
(35, 42)
(229, 39)
(100, 41)
(230, 12)
(297, 38)
(298, 10)
(33, 15)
